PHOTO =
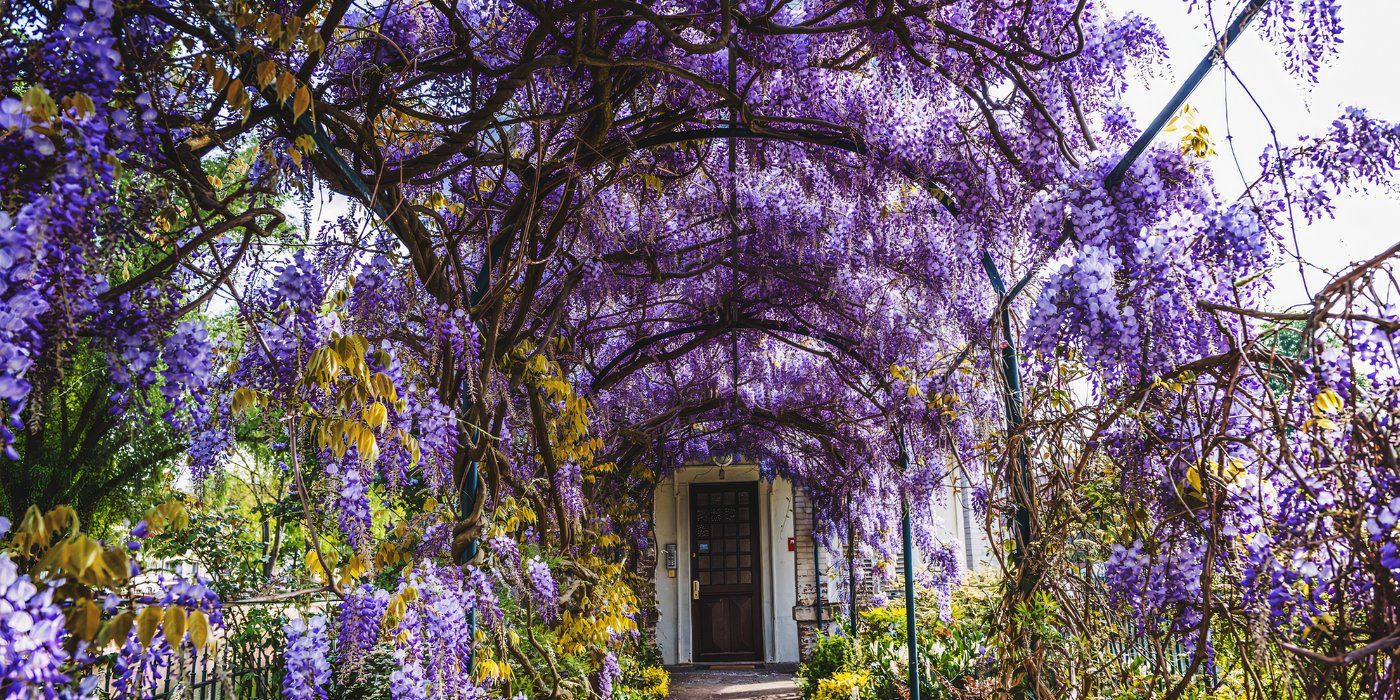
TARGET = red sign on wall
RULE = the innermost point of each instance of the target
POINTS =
(792, 544)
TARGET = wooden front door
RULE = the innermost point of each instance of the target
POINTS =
(726, 601)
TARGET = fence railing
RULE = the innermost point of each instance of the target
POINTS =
(232, 670)
(243, 661)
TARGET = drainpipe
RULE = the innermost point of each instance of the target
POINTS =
(817, 569)
(771, 569)
(966, 502)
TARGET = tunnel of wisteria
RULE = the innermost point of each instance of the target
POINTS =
(408, 349)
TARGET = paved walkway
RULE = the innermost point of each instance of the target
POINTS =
(759, 684)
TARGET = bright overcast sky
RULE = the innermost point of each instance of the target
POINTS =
(1361, 76)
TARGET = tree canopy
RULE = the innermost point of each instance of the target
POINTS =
(582, 244)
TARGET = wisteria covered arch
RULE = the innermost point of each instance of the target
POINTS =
(587, 243)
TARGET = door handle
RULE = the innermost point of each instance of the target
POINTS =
(695, 590)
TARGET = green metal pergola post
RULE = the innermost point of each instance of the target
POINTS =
(1011, 377)
(909, 617)
(851, 568)
(910, 623)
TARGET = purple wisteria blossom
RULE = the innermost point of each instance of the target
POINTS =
(308, 669)
(543, 590)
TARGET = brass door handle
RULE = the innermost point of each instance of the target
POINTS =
(695, 590)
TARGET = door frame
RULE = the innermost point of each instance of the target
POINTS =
(756, 533)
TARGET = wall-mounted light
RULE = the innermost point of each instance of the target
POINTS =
(722, 463)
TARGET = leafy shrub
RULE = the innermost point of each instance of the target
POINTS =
(845, 685)
(644, 682)
(886, 622)
(951, 651)
(831, 655)
(368, 680)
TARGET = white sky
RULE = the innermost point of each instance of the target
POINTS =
(1362, 75)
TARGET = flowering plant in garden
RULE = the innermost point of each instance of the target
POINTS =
(581, 245)
(68, 597)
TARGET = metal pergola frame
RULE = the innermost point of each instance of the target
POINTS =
(470, 493)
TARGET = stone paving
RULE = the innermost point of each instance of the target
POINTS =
(732, 684)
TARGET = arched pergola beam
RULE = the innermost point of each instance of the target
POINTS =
(606, 377)
(803, 136)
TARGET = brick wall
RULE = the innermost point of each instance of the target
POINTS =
(834, 568)
(807, 577)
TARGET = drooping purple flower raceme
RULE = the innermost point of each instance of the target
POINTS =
(608, 675)
(139, 668)
(31, 637)
(543, 589)
(360, 624)
(308, 669)
(352, 505)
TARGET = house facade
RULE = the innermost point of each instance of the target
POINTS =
(738, 574)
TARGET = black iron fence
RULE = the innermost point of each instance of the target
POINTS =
(232, 670)
(243, 661)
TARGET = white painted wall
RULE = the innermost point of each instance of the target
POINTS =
(949, 528)
(779, 584)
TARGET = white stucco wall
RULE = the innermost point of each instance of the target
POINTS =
(949, 528)
(779, 587)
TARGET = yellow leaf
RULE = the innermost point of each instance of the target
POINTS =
(146, 623)
(199, 629)
(368, 446)
(38, 103)
(175, 514)
(244, 399)
(117, 629)
(1323, 422)
(219, 78)
(83, 551)
(1327, 401)
(651, 181)
(318, 569)
(84, 618)
(32, 530)
(175, 620)
(383, 387)
(61, 517)
(267, 72)
(271, 26)
(1193, 477)
(375, 415)
(301, 103)
(285, 84)
(1185, 120)
(354, 569)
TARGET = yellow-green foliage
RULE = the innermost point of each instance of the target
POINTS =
(648, 683)
(844, 685)
(830, 655)
(77, 569)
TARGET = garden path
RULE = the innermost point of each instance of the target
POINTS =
(732, 684)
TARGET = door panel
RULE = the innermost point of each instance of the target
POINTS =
(725, 572)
